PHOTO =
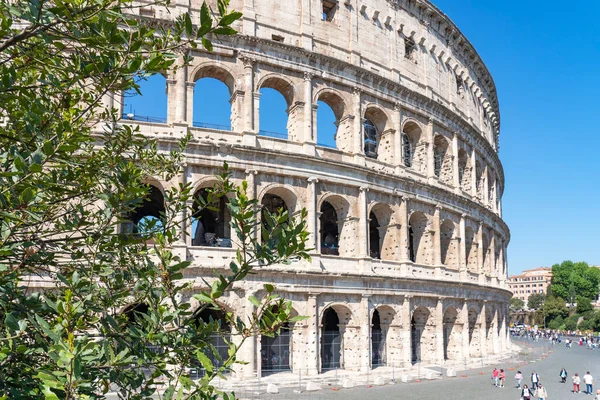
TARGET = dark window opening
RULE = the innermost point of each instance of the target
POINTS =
(331, 341)
(277, 38)
(218, 341)
(329, 8)
(329, 230)
(438, 162)
(271, 204)
(460, 86)
(148, 217)
(411, 245)
(378, 354)
(415, 334)
(374, 238)
(275, 352)
(370, 139)
(410, 48)
(211, 221)
(407, 150)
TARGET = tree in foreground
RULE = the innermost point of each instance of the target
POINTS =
(70, 175)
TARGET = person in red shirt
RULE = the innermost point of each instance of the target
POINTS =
(495, 374)
(502, 378)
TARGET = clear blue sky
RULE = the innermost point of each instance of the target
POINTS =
(544, 58)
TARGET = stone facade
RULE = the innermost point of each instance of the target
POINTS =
(529, 282)
(410, 247)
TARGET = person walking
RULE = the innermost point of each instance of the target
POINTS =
(502, 378)
(541, 392)
(576, 382)
(495, 374)
(597, 397)
(588, 379)
(535, 379)
(519, 379)
(563, 375)
(525, 393)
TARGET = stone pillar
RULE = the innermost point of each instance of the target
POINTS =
(466, 348)
(180, 98)
(430, 150)
(404, 256)
(181, 219)
(492, 256)
(248, 349)
(312, 335)
(189, 104)
(483, 329)
(439, 331)
(312, 218)
(437, 249)
(405, 336)
(248, 88)
(455, 177)
(363, 230)
(462, 249)
(397, 124)
(358, 131)
(485, 197)
(480, 263)
(308, 128)
(365, 334)
(251, 179)
(495, 333)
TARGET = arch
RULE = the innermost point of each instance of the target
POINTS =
(286, 192)
(333, 224)
(375, 121)
(334, 319)
(419, 243)
(374, 237)
(327, 125)
(276, 351)
(379, 233)
(334, 99)
(449, 247)
(133, 313)
(419, 333)
(150, 104)
(218, 341)
(378, 345)
(485, 263)
(442, 163)
(279, 83)
(272, 204)
(474, 338)
(218, 72)
(332, 110)
(464, 170)
(274, 118)
(148, 215)
(479, 179)
(210, 227)
(212, 107)
(470, 250)
(452, 334)
(412, 153)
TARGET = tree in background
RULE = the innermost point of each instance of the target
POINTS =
(583, 305)
(70, 175)
(535, 300)
(516, 304)
(570, 280)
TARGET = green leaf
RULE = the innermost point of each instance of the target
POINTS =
(12, 322)
(255, 302)
(230, 18)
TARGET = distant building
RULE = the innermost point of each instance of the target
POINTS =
(530, 281)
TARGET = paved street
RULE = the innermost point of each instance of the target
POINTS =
(476, 386)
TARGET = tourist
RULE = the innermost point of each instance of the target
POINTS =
(597, 397)
(576, 382)
(563, 375)
(519, 379)
(535, 379)
(589, 382)
(541, 392)
(495, 374)
(525, 393)
(502, 378)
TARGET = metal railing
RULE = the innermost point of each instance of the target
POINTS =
(144, 118)
(206, 125)
(277, 135)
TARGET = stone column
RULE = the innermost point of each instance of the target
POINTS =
(308, 128)
(251, 179)
(405, 336)
(312, 334)
(466, 348)
(365, 334)
(358, 131)
(455, 177)
(480, 263)
(312, 218)
(251, 103)
(486, 185)
(180, 244)
(437, 250)
(462, 249)
(363, 230)
(492, 256)
(189, 104)
(397, 123)
(439, 331)
(473, 173)
(483, 330)
(430, 150)
(180, 98)
(247, 351)
(495, 334)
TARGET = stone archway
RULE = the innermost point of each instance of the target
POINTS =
(452, 335)
(474, 334)
(422, 335)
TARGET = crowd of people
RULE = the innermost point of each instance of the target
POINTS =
(537, 390)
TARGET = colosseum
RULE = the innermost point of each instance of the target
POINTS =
(404, 203)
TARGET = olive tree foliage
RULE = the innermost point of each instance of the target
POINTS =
(70, 175)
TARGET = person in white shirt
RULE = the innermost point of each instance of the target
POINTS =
(588, 379)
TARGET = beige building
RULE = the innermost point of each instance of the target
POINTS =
(529, 282)
(405, 212)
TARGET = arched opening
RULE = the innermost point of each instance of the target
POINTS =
(331, 341)
(371, 141)
(452, 335)
(212, 108)
(329, 230)
(485, 263)
(471, 250)
(272, 204)
(135, 313)
(217, 341)
(491, 187)
(210, 221)
(378, 346)
(418, 241)
(148, 217)
(442, 169)
(276, 98)
(412, 153)
(275, 351)
(329, 8)
(327, 125)
(150, 104)
(479, 180)
(464, 171)
(374, 238)
(418, 325)
(449, 250)
(474, 342)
